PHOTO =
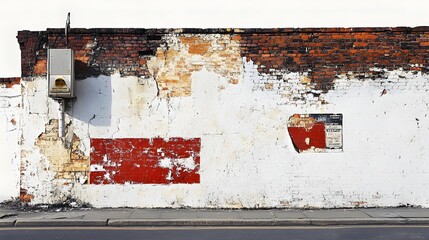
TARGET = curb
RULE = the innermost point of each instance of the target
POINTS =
(418, 221)
(360, 221)
(59, 223)
(206, 222)
(7, 223)
(265, 222)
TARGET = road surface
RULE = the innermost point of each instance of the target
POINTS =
(219, 233)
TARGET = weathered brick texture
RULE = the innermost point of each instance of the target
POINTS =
(323, 53)
(68, 163)
(326, 53)
(9, 82)
(97, 51)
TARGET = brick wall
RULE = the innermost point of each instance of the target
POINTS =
(324, 53)
(193, 117)
(9, 82)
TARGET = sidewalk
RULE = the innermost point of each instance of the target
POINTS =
(206, 217)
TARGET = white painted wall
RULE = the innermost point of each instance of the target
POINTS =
(9, 148)
(247, 158)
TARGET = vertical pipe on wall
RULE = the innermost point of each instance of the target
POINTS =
(61, 103)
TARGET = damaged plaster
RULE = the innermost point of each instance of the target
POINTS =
(182, 55)
(10, 102)
(235, 93)
(66, 159)
(57, 163)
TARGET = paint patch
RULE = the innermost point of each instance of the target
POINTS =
(316, 132)
(145, 161)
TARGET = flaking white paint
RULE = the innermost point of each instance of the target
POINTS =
(9, 136)
(188, 164)
(37, 177)
(247, 158)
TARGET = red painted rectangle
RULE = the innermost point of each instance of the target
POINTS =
(145, 160)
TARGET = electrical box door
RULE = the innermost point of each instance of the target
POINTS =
(61, 73)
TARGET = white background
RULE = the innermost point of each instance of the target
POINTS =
(42, 14)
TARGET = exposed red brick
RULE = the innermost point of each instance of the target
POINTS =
(24, 196)
(331, 52)
(365, 36)
(360, 44)
(9, 82)
(40, 67)
(340, 50)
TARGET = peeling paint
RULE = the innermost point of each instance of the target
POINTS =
(147, 161)
(244, 140)
(10, 100)
(316, 132)
(68, 163)
(228, 100)
(182, 55)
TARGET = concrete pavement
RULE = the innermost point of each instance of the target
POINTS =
(210, 217)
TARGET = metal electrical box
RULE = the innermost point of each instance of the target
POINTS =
(61, 73)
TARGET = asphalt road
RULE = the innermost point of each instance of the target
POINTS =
(220, 233)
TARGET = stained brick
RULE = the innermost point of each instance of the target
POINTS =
(102, 51)
(9, 82)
